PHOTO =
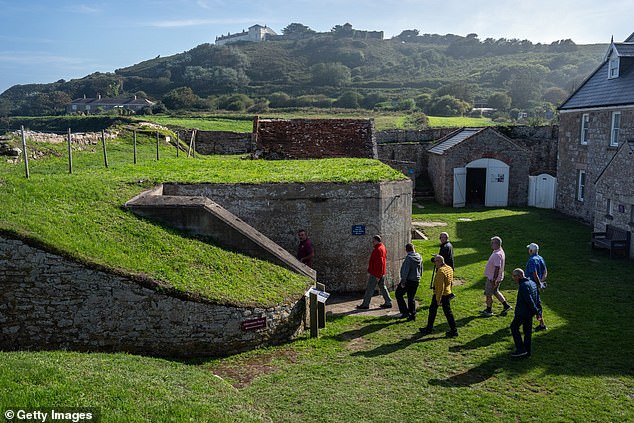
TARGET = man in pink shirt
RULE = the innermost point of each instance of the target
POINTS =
(494, 272)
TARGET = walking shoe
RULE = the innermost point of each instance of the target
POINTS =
(451, 333)
(403, 316)
(540, 328)
(424, 331)
(363, 307)
(411, 318)
(518, 354)
(486, 313)
(386, 306)
(506, 310)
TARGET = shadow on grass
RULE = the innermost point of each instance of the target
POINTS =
(482, 340)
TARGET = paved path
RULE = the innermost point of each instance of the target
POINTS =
(345, 304)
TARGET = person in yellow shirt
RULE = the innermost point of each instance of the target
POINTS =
(442, 297)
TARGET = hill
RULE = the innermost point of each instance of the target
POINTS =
(438, 74)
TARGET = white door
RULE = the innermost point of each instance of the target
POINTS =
(459, 186)
(497, 191)
(543, 189)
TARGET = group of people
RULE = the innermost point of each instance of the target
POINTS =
(529, 282)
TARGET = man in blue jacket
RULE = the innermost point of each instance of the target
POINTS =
(527, 306)
(411, 271)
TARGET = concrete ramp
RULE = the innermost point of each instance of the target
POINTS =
(202, 216)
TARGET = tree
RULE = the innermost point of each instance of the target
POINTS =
(297, 28)
(555, 95)
(181, 98)
(332, 74)
(349, 100)
(408, 34)
(449, 106)
(499, 101)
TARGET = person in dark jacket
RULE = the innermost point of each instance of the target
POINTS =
(446, 249)
(411, 271)
(527, 306)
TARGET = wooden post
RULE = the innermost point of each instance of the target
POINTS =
(135, 146)
(191, 142)
(26, 156)
(157, 145)
(70, 155)
(178, 142)
(103, 144)
(314, 325)
(256, 129)
(321, 307)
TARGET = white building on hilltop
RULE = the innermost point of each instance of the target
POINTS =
(256, 33)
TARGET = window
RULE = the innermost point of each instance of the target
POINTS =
(613, 68)
(585, 122)
(608, 209)
(616, 126)
(581, 185)
(632, 214)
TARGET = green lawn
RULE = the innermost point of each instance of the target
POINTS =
(80, 215)
(380, 369)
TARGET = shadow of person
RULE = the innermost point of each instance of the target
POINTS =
(393, 347)
(473, 376)
(483, 340)
(363, 331)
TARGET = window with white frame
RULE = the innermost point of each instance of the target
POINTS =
(585, 123)
(581, 185)
(616, 127)
(608, 208)
(613, 67)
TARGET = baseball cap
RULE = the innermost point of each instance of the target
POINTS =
(533, 246)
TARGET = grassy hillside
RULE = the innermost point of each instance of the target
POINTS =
(379, 369)
(80, 214)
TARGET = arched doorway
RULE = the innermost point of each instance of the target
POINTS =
(481, 182)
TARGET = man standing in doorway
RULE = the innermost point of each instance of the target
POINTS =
(537, 272)
(527, 306)
(442, 296)
(494, 272)
(305, 250)
(376, 274)
(411, 271)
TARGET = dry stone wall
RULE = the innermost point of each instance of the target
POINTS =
(48, 301)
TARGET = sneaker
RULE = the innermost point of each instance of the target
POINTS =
(363, 307)
(541, 328)
(386, 306)
(518, 354)
(451, 333)
(486, 313)
(424, 331)
(506, 310)
(403, 316)
(411, 318)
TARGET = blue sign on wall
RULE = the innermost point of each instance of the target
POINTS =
(358, 229)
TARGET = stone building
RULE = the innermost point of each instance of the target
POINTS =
(479, 167)
(595, 122)
(255, 34)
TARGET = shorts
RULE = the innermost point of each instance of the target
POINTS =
(490, 289)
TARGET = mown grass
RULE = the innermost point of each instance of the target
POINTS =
(365, 368)
(81, 215)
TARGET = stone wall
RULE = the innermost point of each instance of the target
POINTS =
(541, 141)
(315, 138)
(223, 142)
(48, 301)
(412, 135)
(328, 212)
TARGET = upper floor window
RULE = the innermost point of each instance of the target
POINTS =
(616, 126)
(608, 209)
(613, 67)
(581, 185)
(585, 123)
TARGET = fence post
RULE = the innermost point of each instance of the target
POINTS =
(103, 143)
(157, 145)
(321, 307)
(178, 142)
(26, 156)
(70, 155)
(314, 319)
(135, 146)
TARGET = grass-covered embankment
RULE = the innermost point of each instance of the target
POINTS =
(80, 215)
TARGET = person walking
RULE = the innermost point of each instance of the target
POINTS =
(442, 296)
(446, 249)
(411, 271)
(537, 272)
(527, 306)
(376, 274)
(494, 272)
(305, 250)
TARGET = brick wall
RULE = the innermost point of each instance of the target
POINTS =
(315, 138)
(48, 301)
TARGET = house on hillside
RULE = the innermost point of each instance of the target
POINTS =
(595, 123)
(94, 105)
(255, 34)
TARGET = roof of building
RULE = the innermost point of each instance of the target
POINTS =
(454, 139)
(600, 91)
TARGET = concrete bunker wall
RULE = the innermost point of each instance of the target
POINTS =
(328, 211)
(48, 301)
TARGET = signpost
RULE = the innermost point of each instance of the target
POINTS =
(317, 308)
(358, 229)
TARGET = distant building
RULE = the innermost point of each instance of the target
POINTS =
(255, 34)
(93, 105)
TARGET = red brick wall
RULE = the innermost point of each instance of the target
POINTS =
(315, 138)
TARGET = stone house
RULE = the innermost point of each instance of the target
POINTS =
(255, 34)
(595, 121)
(479, 167)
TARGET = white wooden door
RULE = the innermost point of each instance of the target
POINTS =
(497, 192)
(545, 191)
(459, 186)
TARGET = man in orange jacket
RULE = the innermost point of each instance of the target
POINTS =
(376, 271)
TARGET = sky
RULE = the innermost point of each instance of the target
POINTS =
(42, 41)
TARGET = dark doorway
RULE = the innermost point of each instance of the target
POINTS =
(476, 186)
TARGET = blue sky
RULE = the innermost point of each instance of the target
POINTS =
(43, 41)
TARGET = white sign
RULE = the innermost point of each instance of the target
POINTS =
(322, 296)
